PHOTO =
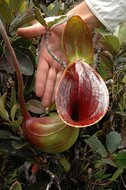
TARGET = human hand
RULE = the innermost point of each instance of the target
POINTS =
(48, 71)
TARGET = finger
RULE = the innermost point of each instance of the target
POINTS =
(42, 71)
(46, 99)
(41, 77)
(58, 77)
(31, 31)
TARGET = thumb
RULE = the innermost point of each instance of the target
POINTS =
(31, 31)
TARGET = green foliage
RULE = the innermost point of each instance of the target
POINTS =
(65, 163)
(120, 159)
(55, 8)
(120, 32)
(16, 186)
(10, 9)
(96, 145)
(113, 140)
(39, 17)
(3, 112)
(107, 152)
(26, 65)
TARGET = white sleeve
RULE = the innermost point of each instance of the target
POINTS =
(109, 12)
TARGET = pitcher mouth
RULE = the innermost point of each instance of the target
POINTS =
(82, 97)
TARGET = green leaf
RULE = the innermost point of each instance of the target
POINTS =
(7, 148)
(117, 174)
(13, 111)
(77, 41)
(39, 17)
(22, 21)
(58, 21)
(100, 173)
(24, 6)
(108, 161)
(109, 41)
(3, 112)
(96, 145)
(121, 160)
(15, 5)
(53, 9)
(18, 144)
(31, 54)
(22, 42)
(113, 41)
(7, 135)
(103, 71)
(5, 11)
(3, 98)
(16, 186)
(108, 64)
(35, 106)
(13, 97)
(16, 123)
(24, 61)
(103, 32)
(65, 163)
(5, 65)
(113, 140)
(122, 32)
(30, 87)
(124, 79)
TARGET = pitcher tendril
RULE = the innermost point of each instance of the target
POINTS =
(16, 65)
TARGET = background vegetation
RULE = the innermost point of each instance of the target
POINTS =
(97, 160)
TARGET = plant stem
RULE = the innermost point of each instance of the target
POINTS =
(18, 72)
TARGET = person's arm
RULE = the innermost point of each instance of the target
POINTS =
(109, 12)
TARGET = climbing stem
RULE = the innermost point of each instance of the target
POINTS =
(17, 69)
